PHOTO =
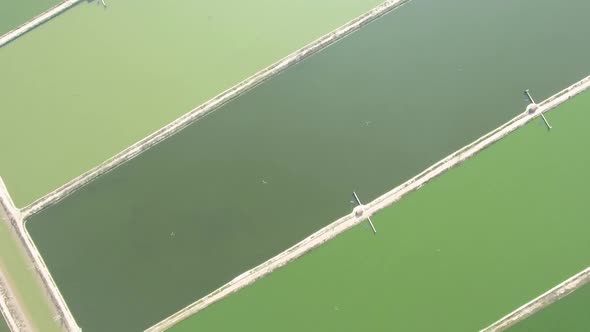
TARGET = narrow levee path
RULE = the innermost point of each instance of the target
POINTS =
(12, 313)
(385, 200)
(14, 218)
(35, 22)
(212, 105)
(553, 295)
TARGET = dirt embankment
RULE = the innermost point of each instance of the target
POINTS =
(551, 296)
(36, 21)
(385, 200)
(212, 105)
(10, 308)
(10, 213)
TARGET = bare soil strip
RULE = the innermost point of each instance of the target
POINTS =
(385, 200)
(10, 309)
(35, 22)
(14, 217)
(553, 295)
(13, 314)
(211, 105)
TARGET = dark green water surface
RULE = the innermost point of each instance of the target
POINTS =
(571, 314)
(280, 162)
(3, 326)
(15, 13)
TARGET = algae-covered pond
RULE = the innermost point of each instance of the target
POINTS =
(280, 162)
(92, 81)
(456, 255)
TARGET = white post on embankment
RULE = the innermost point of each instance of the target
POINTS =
(528, 94)
(533, 106)
(360, 210)
(545, 120)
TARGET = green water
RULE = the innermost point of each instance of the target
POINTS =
(15, 13)
(568, 314)
(92, 81)
(3, 326)
(458, 254)
(280, 162)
